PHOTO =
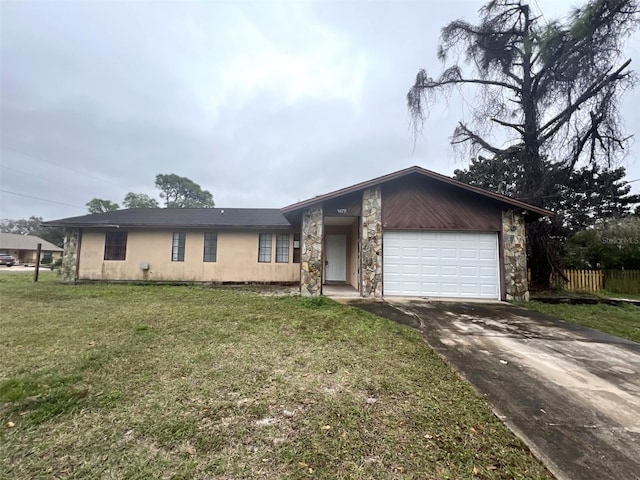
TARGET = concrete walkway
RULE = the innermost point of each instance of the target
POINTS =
(571, 393)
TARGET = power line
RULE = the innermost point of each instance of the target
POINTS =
(40, 159)
(29, 174)
(42, 199)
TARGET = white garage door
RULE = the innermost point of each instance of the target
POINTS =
(441, 264)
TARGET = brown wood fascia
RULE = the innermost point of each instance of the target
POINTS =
(422, 171)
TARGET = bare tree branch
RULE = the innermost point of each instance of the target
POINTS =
(516, 126)
(551, 88)
(602, 81)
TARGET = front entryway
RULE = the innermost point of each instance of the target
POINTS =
(336, 258)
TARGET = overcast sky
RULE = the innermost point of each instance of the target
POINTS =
(262, 103)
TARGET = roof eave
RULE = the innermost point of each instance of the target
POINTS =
(164, 226)
(408, 171)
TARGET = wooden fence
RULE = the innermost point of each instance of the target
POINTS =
(593, 281)
(622, 281)
(579, 280)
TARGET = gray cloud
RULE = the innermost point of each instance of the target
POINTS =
(263, 104)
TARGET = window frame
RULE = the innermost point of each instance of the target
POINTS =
(282, 247)
(296, 247)
(264, 250)
(178, 248)
(208, 246)
(112, 247)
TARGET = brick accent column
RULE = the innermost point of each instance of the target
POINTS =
(514, 249)
(371, 250)
(69, 267)
(311, 252)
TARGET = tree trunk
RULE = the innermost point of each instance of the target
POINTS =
(539, 261)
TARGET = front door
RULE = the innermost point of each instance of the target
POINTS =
(336, 258)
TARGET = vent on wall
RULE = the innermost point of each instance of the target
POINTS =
(144, 266)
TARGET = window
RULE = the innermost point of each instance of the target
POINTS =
(115, 246)
(210, 246)
(296, 248)
(282, 248)
(177, 247)
(264, 248)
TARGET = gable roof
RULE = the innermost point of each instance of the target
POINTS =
(179, 218)
(415, 170)
(254, 218)
(14, 241)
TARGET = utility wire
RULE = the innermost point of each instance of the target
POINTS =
(61, 166)
(42, 199)
(29, 174)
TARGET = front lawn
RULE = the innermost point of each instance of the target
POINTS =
(622, 321)
(631, 296)
(124, 381)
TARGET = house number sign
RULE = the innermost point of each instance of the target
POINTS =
(342, 210)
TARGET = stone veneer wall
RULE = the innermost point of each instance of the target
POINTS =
(371, 250)
(69, 266)
(311, 252)
(515, 256)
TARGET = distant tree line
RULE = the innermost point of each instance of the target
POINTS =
(597, 222)
(31, 226)
(177, 192)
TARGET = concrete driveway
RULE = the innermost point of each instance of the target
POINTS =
(571, 393)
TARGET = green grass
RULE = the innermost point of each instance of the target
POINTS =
(124, 381)
(622, 321)
(631, 296)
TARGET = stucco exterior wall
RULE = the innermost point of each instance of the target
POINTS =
(29, 256)
(237, 258)
(14, 253)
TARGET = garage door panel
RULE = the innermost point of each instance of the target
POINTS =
(451, 237)
(449, 288)
(489, 290)
(466, 239)
(426, 270)
(470, 289)
(451, 271)
(469, 253)
(393, 268)
(411, 270)
(410, 251)
(449, 253)
(412, 287)
(469, 272)
(446, 264)
(427, 252)
(487, 272)
(486, 254)
(392, 251)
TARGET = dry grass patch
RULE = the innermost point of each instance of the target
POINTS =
(123, 381)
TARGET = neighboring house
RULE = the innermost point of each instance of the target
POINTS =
(24, 247)
(412, 232)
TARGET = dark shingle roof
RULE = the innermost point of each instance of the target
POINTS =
(180, 218)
